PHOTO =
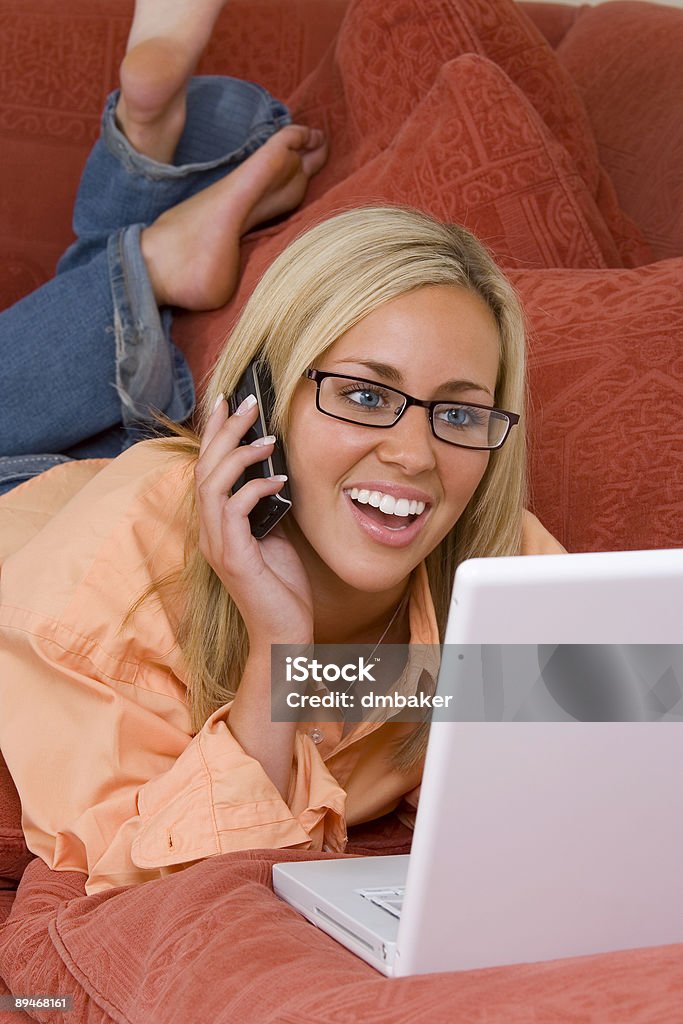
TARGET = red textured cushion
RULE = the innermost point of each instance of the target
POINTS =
(14, 854)
(273, 42)
(627, 59)
(388, 56)
(212, 943)
(474, 151)
(552, 20)
(606, 372)
(18, 1016)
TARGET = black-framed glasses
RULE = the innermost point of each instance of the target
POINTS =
(371, 404)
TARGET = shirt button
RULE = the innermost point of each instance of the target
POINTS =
(317, 735)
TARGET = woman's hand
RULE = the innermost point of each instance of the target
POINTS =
(265, 578)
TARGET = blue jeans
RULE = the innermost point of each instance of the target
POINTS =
(86, 358)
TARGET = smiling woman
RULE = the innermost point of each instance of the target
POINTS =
(426, 336)
(394, 295)
(396, 350)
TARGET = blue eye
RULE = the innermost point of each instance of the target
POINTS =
(463, 417)
(457, 417)
(365, 397)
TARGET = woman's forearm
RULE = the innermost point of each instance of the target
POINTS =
(270, 743)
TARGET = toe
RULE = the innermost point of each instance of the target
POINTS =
(313, 160)
(296, 136)
(316, 138)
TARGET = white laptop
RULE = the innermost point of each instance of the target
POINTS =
(534, 839)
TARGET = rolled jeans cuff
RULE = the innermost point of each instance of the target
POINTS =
(227, 120)
(151, 372)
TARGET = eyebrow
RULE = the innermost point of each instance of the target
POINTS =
(393, 374)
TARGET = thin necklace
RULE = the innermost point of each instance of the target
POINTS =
(391, 622)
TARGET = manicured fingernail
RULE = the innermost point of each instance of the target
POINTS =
(281, 476)
(218, 401)
(261, 442)
(248, 403)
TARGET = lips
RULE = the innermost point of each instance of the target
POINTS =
(399, 535)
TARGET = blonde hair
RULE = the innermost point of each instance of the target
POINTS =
(326, 281)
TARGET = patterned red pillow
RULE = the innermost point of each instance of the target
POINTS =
(387, 58)
(474, 151)
(390, 54)
(606, 367)
(14, 854)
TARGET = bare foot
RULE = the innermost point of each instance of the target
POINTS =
(192, 250)
(166, 40)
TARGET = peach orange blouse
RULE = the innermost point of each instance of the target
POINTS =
(94, 721)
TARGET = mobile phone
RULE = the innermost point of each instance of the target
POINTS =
(269, 510)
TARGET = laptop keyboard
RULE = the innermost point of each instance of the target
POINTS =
(390, 900)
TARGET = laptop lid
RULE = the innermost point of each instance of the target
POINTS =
(536, 840)
(591, 598)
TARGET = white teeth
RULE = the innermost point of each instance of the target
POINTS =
(387, 503)
(394, 506)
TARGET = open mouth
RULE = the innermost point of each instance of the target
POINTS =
(383, 515)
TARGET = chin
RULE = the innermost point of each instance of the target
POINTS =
(368, 570)
(371, 576)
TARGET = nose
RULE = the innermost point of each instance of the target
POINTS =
(410, 443)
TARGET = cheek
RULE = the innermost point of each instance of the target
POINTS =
(313, 461)
(321, 452)
(463, 477)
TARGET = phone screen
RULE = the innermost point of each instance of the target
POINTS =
(269, 510)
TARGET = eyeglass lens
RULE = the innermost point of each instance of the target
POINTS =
(373, 404)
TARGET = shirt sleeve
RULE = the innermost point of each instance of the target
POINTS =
(94, 720)
(217, 799)
(112, 784)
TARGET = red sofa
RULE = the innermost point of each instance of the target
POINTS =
(555, 134)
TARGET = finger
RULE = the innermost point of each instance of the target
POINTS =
(223, 476)
(223, 434)
(236, 528)
(218, 416)
(226, 541)
(212, 492)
